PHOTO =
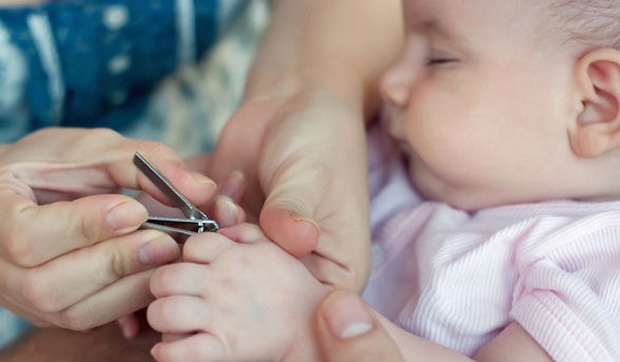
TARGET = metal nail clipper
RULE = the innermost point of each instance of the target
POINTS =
(195, 221)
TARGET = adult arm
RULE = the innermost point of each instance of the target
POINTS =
(299, 136)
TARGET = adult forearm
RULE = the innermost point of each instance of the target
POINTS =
(340, 45)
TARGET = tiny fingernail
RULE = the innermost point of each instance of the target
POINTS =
(234, 184)
(227, 211)
(155, 351)
(126, 216)
(347, 316)
(158, 250)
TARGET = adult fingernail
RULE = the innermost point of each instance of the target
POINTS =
(158, 250)
(347, 316)
(126, 217)
(203, 180)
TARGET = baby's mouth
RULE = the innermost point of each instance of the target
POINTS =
(406, 149)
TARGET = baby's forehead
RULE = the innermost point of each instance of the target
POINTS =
(461, 22)
(449, 11)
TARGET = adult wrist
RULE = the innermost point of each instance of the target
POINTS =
(286, 85)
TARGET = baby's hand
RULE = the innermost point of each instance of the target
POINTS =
(236, 296)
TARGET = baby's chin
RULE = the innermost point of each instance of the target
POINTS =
(457, 196)
(471, 200)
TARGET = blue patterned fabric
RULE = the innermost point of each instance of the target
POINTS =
(92, 63)
(11, 327)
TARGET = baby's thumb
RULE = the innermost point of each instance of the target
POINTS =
(347, 330)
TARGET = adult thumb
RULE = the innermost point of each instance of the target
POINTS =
(347, 330)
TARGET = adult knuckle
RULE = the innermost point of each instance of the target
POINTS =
(98, 134)
(20, 250)
(156, 148)
(116, 264)
(88, 229)
(17, 245)
(40, 294)
(77, 318)
(83, 140)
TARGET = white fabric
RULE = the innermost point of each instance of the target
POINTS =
(459, 278)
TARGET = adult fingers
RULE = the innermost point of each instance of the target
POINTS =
(288, 221)
(127, 295)
(307, 201)
(246, 127)
(121, 298)
(314, 219)
(314, 173)
(31, 234)
(348, 331)
(50, 161)
(197, 187)
(97, 273)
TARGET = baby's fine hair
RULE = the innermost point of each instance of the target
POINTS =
(593, 23)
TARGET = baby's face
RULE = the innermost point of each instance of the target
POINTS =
(477, 101)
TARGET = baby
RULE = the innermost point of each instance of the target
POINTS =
(495, 204)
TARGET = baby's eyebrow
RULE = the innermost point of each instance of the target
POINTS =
(434, 28)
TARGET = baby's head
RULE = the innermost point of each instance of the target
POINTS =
(500, 102)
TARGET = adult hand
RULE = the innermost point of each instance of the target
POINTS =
(70, 254)
(299, 134)
(304, 161)
(347, 330)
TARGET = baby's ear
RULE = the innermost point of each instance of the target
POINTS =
(596, 129)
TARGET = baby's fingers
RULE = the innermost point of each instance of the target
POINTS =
(199, 347)
(178, 314)
(227, 213)
(206, 247)
(179, 279)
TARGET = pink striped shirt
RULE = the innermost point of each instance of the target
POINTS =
(458, 278)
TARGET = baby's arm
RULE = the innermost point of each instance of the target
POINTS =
(511, 345)
(238, 296)
(513, 338)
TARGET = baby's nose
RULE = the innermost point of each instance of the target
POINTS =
(395, 86)
(397, 82)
